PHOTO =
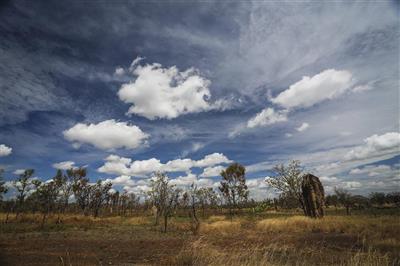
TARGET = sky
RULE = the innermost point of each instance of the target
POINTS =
(133, 87)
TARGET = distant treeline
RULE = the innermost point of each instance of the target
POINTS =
(71, 192)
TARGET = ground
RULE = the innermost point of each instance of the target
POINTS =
(267, 238)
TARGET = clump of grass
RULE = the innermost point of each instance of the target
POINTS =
(202, 253)
(221, 227)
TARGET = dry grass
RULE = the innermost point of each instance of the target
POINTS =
(282, 239)
(296, 240)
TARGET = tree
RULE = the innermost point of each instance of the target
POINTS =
(288, 181)
(80, 187)
(23, 186)
(331, 200)
(98, 195)
(233, 185)
(165, 197)
(46, 196)
(206, 197)
(344, 197)
(65, 182)
(3, 187)
(191, 197)
(394, 197)
(377, 198)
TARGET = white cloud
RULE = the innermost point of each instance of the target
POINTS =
(196, 146)
(288, 135)
(107, 135)
(328, 84)
(122, 180)
(19, 171)
(119, 71)
(4, 150)
(303, 127)
(376, 146)
(124, 166)
(376, 171)
(267, 117)
(159, 92)
(178, 165)
(187, 180)
(335, 161)
(351, 185)
(64, 165)
(362, 88)
(212, 159)
(212, 171)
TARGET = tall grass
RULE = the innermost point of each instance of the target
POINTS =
(296, 240)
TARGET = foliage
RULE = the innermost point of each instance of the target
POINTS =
(233, 185)
(23, 185)
(3, 188)
(165, 197)
(287, 180)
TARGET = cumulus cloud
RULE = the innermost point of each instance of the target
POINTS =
(107, 135)
(328, 84)
(267, 117)
(186, 180)
(19, 171)
(124, 166)
(212, 171)
(5, 150)
(376, 146)
(64, 165)
(303, 127)
(159, 92)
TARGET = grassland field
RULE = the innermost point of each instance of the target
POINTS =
(267, 238)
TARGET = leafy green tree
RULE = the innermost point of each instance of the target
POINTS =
(233, 185)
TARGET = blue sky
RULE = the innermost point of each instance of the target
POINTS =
(133, 87)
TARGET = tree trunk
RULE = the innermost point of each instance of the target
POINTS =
(165, 223)
(43, 219)
(347, 209)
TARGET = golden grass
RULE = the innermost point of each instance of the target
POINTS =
(296, 240)
(286, 240)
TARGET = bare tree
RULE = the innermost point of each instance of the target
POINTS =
(206, 197)
(3, 187)
(288, 181)
(191, 195)
(23, 186)
(165, 197)
(233, 185)
(344, 197)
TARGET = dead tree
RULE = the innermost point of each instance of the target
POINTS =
(313, 196)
